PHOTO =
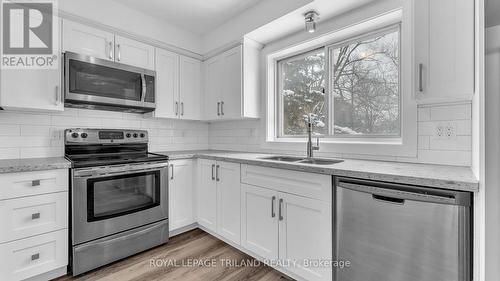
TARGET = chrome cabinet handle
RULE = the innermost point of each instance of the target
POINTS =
(110, 50)
(217, 173)
(213, 168)
(119, 57)
(182, 108)
(35, 216)
(57, 95)
(176, 108)
(273, 214)
(35, 256)
(222, 108)
(35, 183)
(280, 214)
(420, 77)
(218, 109)
(172, 175)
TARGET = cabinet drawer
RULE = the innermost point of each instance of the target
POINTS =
(33, 215)
(32, 256)
(300, 183)
(33, 183)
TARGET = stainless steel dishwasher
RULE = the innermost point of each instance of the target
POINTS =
(395, 232)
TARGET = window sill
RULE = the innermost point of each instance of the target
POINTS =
(346, 140)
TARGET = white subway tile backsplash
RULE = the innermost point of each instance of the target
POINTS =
(451, 112)
(424, 114)
(29, 134)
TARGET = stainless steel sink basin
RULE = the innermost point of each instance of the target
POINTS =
(316, 161)
(284, 158)
(313, 161)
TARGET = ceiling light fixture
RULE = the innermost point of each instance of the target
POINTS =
(311, 18)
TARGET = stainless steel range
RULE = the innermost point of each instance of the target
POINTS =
(119, 196)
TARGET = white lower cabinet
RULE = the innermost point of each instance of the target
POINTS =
(219, 198)
(295, 229)
(228, 201)
(180, 194)
(207, 195)
(259, 223)
(34, 216)
(305, 235)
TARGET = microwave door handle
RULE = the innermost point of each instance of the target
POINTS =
(143, 95)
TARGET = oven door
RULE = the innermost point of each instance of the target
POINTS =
(108, 200)
(90, 80)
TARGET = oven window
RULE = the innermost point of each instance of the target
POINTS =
(114, 196)
(101, 81)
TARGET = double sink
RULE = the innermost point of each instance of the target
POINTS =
(303, 160)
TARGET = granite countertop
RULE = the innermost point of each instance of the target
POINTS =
(438, 176)
(33, 164)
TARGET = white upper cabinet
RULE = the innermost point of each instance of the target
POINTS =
(83, 39)
(178, 86)
(134, 53)
(32, 89)
(231, 83)
(167, 84)
(86, 40)
(190, 88)
(444, 50)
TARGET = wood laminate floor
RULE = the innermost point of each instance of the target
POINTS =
(175, 262)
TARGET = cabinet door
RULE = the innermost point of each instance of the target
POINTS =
(305, 232)
(31, 89)
(190, 88)
(134, 53)
(259, 221)
(214, 74)
(232, 84)
(167, 84)
(180, 194)
(207, 195)
(86, 40)
(228, 201)
(444, 50)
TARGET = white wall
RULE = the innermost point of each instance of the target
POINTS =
(492, 131)
(116, 15)
(256, 16)
(35, 134)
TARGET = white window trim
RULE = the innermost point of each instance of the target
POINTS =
(403, 146)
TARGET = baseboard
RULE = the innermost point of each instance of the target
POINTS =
(183, 229)
(53, 274)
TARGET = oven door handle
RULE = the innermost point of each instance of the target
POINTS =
(122, 171)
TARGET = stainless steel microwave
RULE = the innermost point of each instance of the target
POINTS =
(95, 83)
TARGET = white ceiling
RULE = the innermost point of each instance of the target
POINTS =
(492, 13)
(198, 16)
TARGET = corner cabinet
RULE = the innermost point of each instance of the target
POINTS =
(178, 92)
(232, 84)
(444, 50)
(180, 194)
(219, 198)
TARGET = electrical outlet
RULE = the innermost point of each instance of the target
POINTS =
(446, 130)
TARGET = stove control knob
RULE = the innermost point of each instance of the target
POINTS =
(135, 135)
(128, 135)
(84, 135)
(142, 135)
(74, 135)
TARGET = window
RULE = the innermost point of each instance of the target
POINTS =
(349, 89)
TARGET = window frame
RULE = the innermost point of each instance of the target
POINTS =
(328, 47)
